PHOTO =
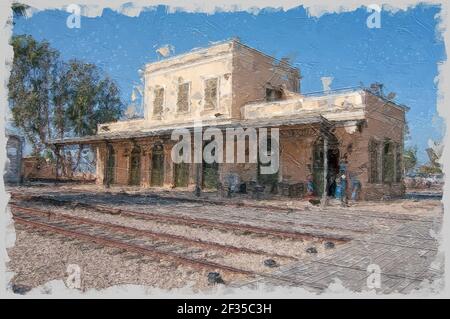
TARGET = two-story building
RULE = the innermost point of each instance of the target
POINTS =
(232, 85)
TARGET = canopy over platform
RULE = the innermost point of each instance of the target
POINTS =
(325, 126)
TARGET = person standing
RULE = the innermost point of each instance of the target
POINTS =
(356, 187)
(310, 186)
(343, 189)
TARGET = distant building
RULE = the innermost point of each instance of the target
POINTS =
(14, 145)
(232, 85)
(37, 168)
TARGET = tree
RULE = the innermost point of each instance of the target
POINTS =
(429, 169)
(50, 98)
(29, 88)
(410, 159)
(60, 99)
(91, 98)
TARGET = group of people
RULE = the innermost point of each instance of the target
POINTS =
(338, 185)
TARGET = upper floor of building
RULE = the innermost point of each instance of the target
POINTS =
(214, 82)
(229, 82)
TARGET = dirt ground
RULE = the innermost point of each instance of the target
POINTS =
(39, 257)
(394, 205)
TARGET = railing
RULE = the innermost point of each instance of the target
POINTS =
(340, 90)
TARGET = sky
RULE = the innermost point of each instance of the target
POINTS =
(403, 53)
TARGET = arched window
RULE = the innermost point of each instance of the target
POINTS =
(388, 161)
(157, 171)
(135, 166)
(181, 173)
(110, 167)
(210, 172)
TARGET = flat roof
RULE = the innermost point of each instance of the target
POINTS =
(204, 50)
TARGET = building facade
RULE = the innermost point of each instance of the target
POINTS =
(230, 85)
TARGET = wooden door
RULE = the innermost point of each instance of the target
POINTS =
(157, 171)
(135, 166)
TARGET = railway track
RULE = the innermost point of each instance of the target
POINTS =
(147, 233)
(233, 226)
(269, 208)
(123, 244)
(317, 223)
(89, 231)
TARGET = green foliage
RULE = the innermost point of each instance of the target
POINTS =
(51, 98)
(92, 98)
(410, 158)
(48, 155)
(433, 166)
(29, 88)
(430, 169)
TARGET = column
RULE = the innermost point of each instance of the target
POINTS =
(146, 149)
(58, 155)
(169, 178)
(380, 161)
(325, 170)
(100, 164)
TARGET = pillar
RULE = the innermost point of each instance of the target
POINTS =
(58, 155)
(325, 171)
(100, 163)
(146, 149)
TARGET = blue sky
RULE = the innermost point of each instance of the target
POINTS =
(403, 54)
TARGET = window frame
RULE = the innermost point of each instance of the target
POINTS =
(386, 158)
(374, 146)
(272, 88)
(158, 115)
(188, 98)
(217, 78)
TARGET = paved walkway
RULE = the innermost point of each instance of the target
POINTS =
(406, 258)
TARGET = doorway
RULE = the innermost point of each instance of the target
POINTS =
(181, 173)
(135, 166)
(157, 172)
(333, 165)
(268, 180)
(210, 173)
(110, 166)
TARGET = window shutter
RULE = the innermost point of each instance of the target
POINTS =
(211, 93)
(158, 101)
(183, 98)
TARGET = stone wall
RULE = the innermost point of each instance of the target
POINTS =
(243, 74)
(12, 172)
(38, 168)
(334, 106)
(385, 122)
(194, 73)
(253, 72)
(296, 154)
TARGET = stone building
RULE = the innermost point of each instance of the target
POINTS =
(12, 173)
(232, 85)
